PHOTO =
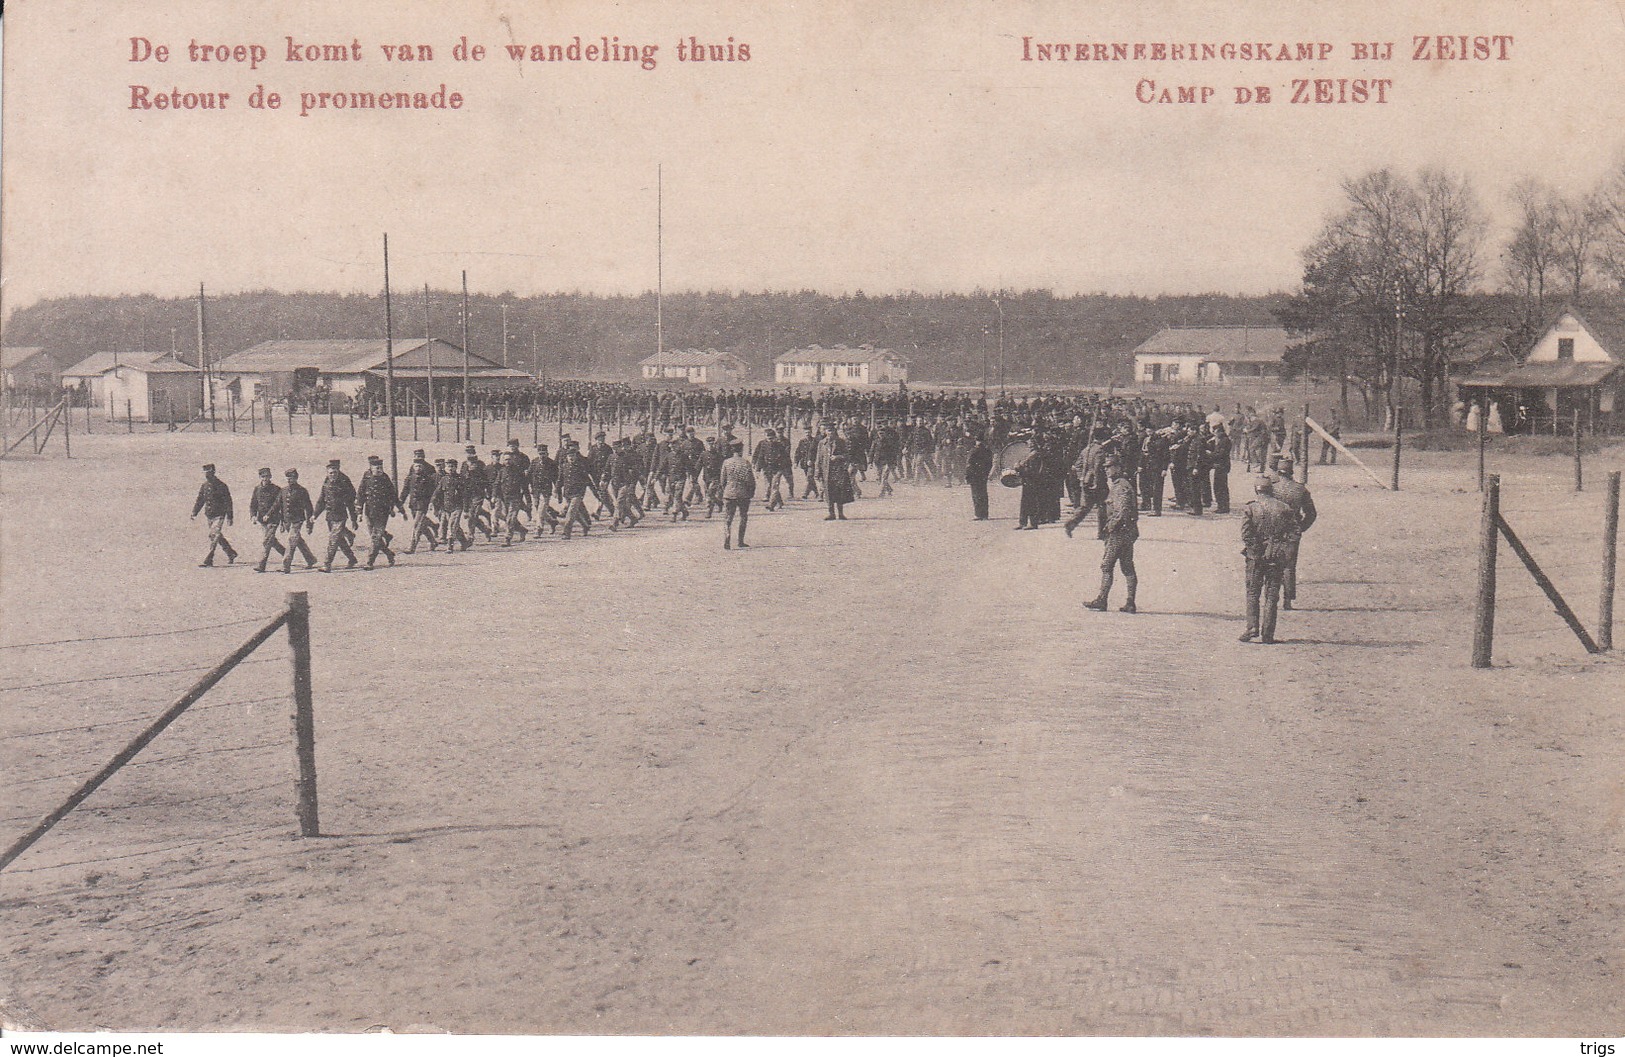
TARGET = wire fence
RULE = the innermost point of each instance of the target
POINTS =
(218, 760)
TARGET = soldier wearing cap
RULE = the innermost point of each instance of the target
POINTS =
(738, 487)
(476, 486)
(417, 497)
(214, 503)
(1090, 469)
(573, 482)
(623, 472)
(766, 459)
(296, 516)
(544, 477)
(978, 467)
(451, 500)
(807, 458)
(262, 510)
(378, 500)
(1269, 541)
(337, 501)
(509, 491)
(1119, 528)
(675, 473)
(1295, 495)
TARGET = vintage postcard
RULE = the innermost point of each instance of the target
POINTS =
(894, 518)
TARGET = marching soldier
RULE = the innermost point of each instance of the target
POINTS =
(1269, 540)
(573, 488)
(417, 496)
(624, 471)
(214, 502)
(378, 500)
(296, 516)
(509, 491)
(451, 500)
(337, 501)
(766, 460)
(476, 486)
(805, 457)
(1091, 472)
(262, 510)
(1119, 529)
(1295, 495)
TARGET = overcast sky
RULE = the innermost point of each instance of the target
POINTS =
(880, 145)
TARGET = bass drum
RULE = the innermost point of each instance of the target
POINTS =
(1011, 455)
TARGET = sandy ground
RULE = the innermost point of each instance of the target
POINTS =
(884, 776)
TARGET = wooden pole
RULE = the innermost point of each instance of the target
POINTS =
(1579, 479)
(67, 427)
(1610, 546)
(304, 721)
(310, 416)
(389, 371)
(142, 740)
(129, 417)
(412, 402)
(1303, 428)
(470, 431)
(1483, 416)
(1397, 442)
(1484, 605)
(332, 427)
(1548, 588)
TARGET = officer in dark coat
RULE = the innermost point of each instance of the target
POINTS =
(1153, 467)
(214, 503)
(978, 467)
(378, 500)
(337, 501)
(1219, 450)
(262, 510)
(296, 516)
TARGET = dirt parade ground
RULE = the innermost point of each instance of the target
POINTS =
(873, 777)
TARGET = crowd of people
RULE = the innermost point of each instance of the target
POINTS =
(1114, 457)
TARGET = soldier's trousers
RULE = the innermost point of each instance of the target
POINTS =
(978, 498)
(338, 539)
(297, 545)
(451, 529)
(1151, 490)
(270, 542)
(217, 538)
(1221, 489)
(378, 533)
(1193, 492)
(1289, 576)
(626, 501)
(423, 528)
(730, 507)
(576, 514)
(1181, 480)
(1119, 554)
(775, 494)
(1074, 489)
(1093, 499)
(1263, 596)
(812, 483)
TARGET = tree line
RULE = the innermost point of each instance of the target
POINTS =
(1404, 275)
(950, 338)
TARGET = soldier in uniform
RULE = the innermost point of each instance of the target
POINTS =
(450, 498)
(624, 471)
(417, 495)
(377, 500)
(711, 460)
(1219, 450)
(1269, 540)
(1295, 495)
(738, 486)
(297, 517)
(214, 502)
(337, 501)
(978, 467)
(1153, 467)
(476, 487)
(1119, 529)
(508, 489)
(262, 510)
(1091, 473)
(573, 488)
(766, 459)
(806, 456)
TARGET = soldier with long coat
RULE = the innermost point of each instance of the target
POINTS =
(378, 500)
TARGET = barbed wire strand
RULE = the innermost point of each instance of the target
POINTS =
(138, 719)
(134, 635)
(131, 675)
(153, 851)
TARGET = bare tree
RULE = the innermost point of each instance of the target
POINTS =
(1443, 235)
(1531, 254)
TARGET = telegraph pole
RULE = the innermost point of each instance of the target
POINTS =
(389, 369)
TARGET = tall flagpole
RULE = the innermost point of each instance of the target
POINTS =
(389, 369)
(660, 265)
(203, 356)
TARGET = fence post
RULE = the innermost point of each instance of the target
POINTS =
(1398, 431)
(1484, 606)
(129, 417)
(350, 414)
(67, 427)
(310, 418)
(1483, 421)
(1579, 480)
(332, 430)
(1610, 543)
(304, 718)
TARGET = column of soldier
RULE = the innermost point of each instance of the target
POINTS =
(450, 503)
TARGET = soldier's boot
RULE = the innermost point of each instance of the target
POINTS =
(1099, 601)
(231, 555)
(332, 552)
(1133, 583)
(742, 523)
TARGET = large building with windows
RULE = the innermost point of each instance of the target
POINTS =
(1211, 356)
(864, 365)
(696, 366)
(1573, 373)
